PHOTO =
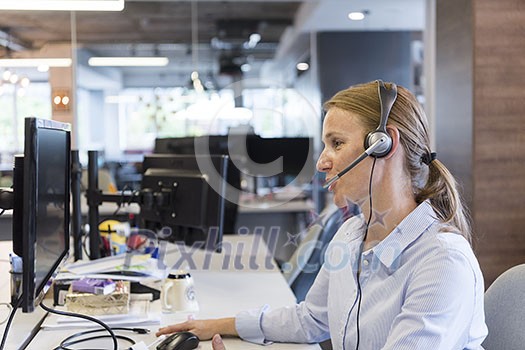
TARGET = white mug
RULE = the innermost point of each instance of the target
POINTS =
(178, 293)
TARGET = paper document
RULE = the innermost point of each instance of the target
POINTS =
(63, 322)
(138, 315)
(140, 264)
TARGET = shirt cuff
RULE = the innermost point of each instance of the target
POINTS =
(249, 325)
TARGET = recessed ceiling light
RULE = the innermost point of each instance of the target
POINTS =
(63, 5)
(35, 62)
(302, 66)
(255, 37)
(128, 61)
(356, 16)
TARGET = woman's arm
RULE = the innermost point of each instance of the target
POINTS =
(302, 323)
(204, 329)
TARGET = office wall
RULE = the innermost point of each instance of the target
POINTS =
(480, 136)
(499, 134)
(453, 83)
(348, 58)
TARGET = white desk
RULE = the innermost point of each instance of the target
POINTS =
(240, 278)
(278, 221)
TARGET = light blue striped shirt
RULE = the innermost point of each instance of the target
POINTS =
(421, 289)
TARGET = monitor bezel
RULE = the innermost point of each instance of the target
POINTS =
(32, 294)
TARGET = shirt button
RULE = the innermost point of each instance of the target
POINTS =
(365, 262)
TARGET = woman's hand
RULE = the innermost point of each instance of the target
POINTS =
(204, 329)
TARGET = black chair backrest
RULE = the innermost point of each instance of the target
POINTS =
(305, 279)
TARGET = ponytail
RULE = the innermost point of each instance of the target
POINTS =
(441, 190)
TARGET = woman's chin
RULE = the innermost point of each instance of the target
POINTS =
(340, 202)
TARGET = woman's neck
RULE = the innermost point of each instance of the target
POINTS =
(389, 208)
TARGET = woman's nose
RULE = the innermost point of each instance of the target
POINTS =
(323, 163)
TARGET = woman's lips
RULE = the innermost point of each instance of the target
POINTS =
(332, 186)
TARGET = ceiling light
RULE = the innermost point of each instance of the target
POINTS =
(63, 5)
(24, 82)
(128, 61)
(255, 37)
(253, 41)
(9, 77)
(35, 62)
(356, 16)
(302, 66)
(13, 79)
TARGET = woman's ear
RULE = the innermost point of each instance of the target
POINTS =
(394, 134)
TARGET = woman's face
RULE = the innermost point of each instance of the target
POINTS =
(343, 139)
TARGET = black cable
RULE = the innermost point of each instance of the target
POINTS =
(84, 245)
(10, 320)
(89, 318)
(121, 202)
(64, 345)
(134, 193)
(361, 252)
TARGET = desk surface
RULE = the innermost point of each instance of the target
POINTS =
(273, 206)
(239, 278)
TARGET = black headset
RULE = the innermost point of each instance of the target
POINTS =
(387, 97)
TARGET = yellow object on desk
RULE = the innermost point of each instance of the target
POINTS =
(114, 303)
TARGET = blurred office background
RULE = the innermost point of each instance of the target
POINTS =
(264, 68)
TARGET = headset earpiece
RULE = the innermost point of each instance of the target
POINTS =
(387, 97)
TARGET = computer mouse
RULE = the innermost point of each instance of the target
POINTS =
(179, 341)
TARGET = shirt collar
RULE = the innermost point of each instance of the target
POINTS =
(417, 222)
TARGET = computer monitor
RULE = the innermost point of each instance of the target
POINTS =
(217, 145)
(41, 209)
(180, 197)
(251, 152)
(296, 152)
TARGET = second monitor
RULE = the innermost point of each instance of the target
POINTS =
(184, 199)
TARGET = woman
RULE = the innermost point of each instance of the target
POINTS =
(401, 275)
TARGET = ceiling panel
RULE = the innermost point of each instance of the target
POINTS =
(163, 27)
(153, 22)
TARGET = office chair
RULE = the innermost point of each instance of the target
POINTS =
(304, 264)
(505, 311)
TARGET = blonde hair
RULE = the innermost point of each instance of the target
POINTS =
(433, 181)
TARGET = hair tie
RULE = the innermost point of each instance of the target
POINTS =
(428, 158)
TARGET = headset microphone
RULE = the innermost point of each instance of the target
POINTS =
(358, 160)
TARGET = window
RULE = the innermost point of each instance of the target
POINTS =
(145, 114)
(16, 104)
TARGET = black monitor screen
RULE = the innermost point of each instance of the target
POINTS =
(184, 199)
(45, 218)
(217, 145)
(251, 152)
